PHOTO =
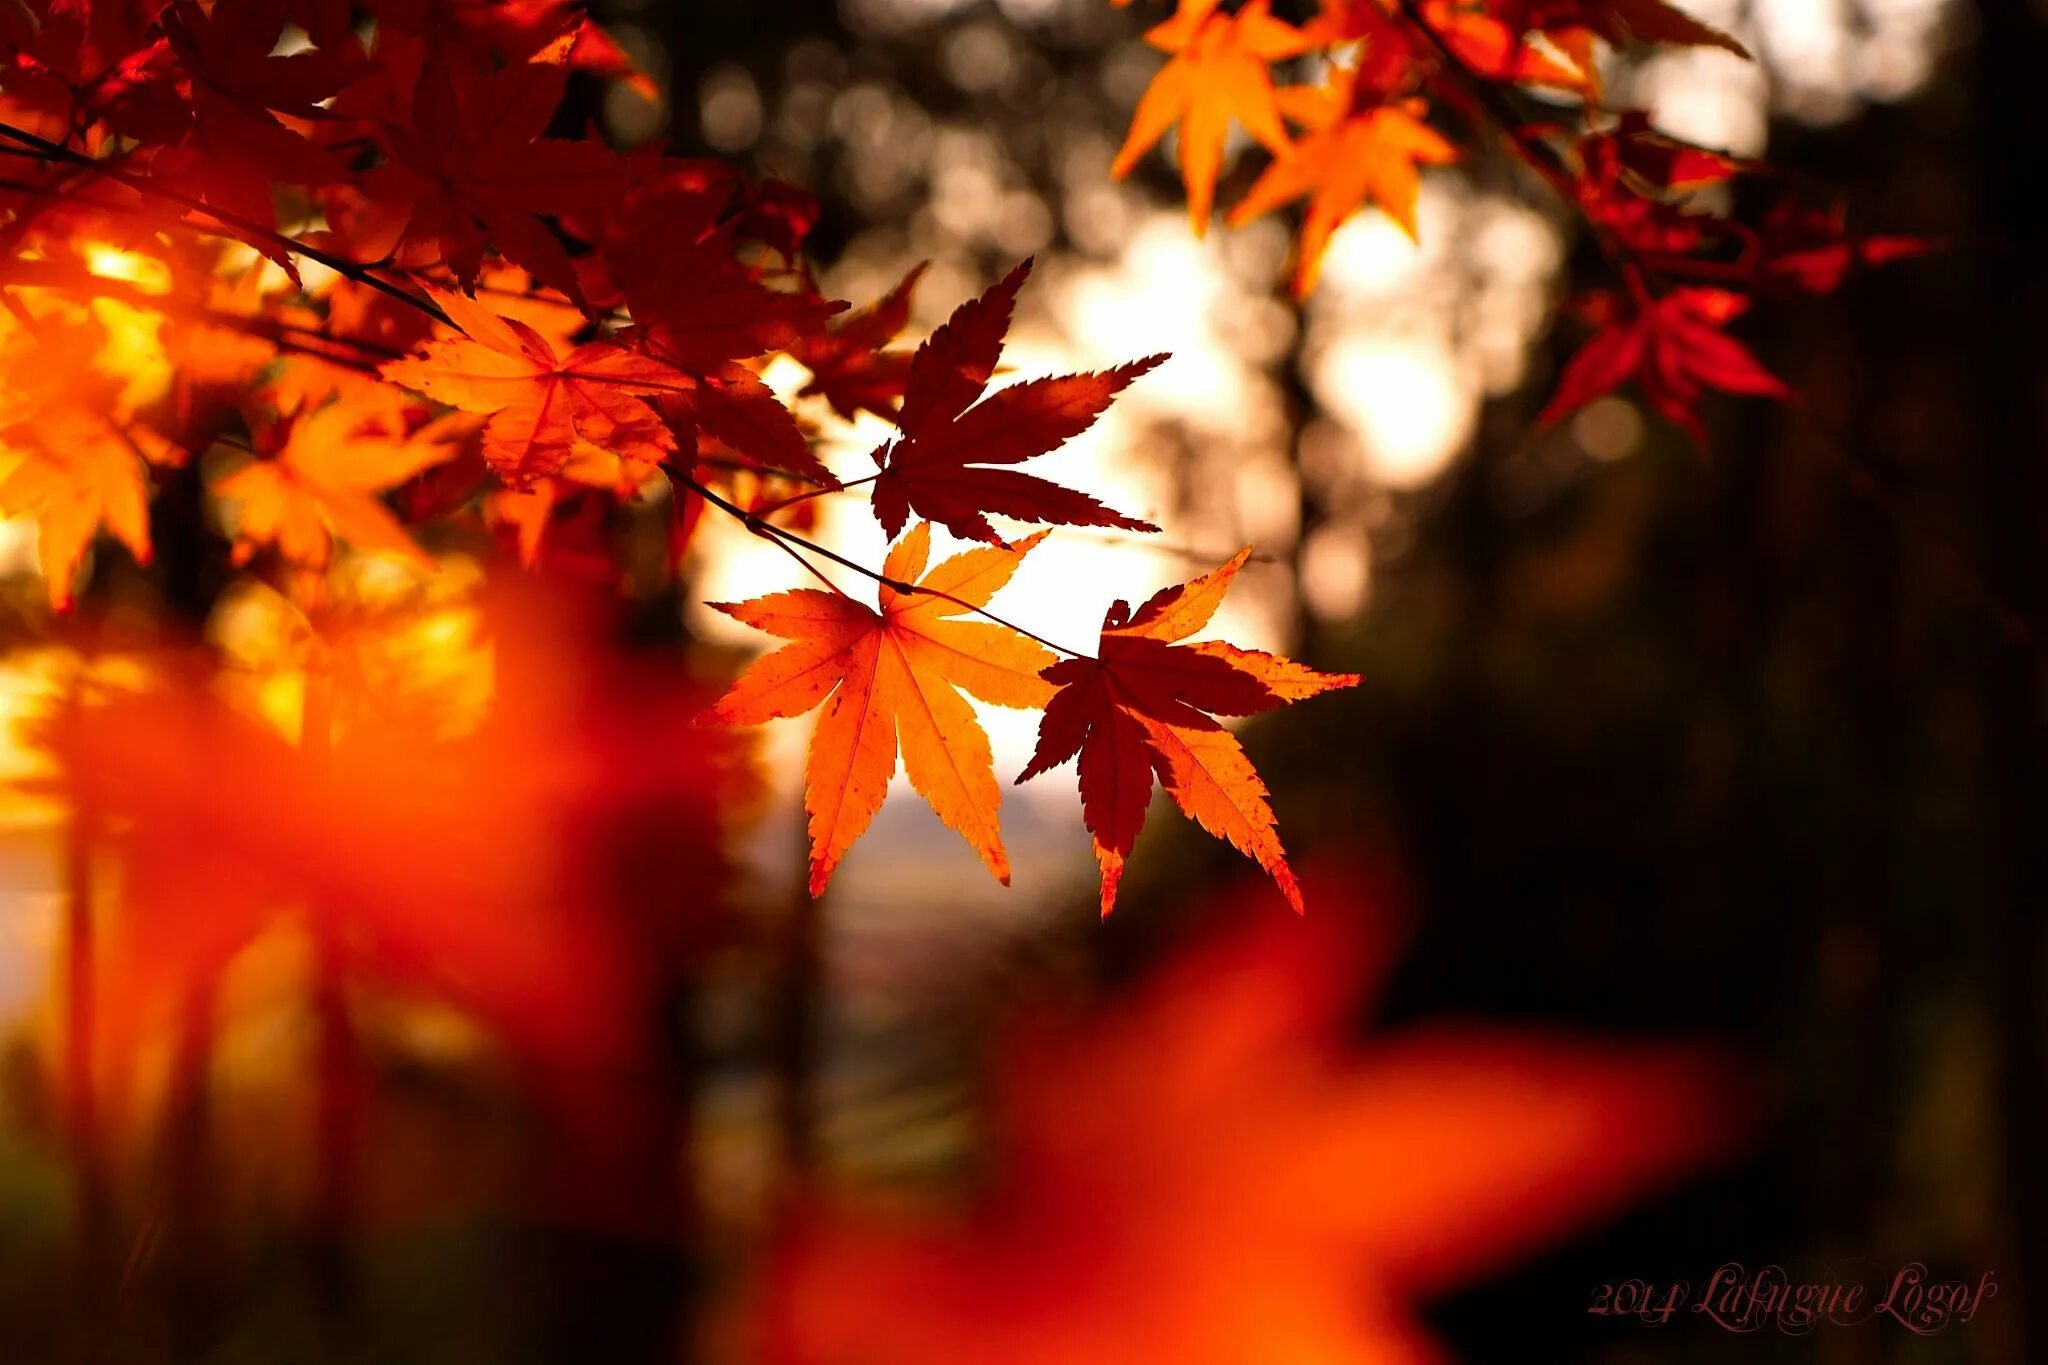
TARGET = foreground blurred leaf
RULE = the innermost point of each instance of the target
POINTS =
(1206, 1175)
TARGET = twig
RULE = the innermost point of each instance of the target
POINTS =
(245, 227)
(791, 541)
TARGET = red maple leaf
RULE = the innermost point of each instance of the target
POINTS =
(1146, 704)
(953, 429)
(852, 366)
(1673, 349)
(471, 170)
(1813, 250)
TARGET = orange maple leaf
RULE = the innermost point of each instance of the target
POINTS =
(1351, 155)
(892, 677)
(538, 400)
(952, 429)
(1220, 71)
(74, 474)
(1138, 709)
(71, 457)
(321, 483)
(1211, 1174)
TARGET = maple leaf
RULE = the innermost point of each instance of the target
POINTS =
(697, 309)
(232, 49)
(210, 121)
(1138, 708)
(539, 401)
(1394, 58)
(952, 430)
(1621, 22)
(322, 481)
(1212, 1172)
(894, 678)
(1813, 250)
(1636, 148)
(472, 167)
(851, 364)
(74, 474)
(1219, 71)
(1673, 348)
(1350, 156)
(675, 262)
(71, 456)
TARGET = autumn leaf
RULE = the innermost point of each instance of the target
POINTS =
(1350, 157)
(230, 146)
(1219, 72)
(1673, 349)
(471, 170)
(674, 259)
(1634, 147)
(1146, 705)
(1812, 249)
(71, 455)
(1394, 57)
(321, 483)
(1624, 21)
(953, 430)
(74, 475)
(539, 401)
(894, 678)
(232, 48)
(851, 364)
(1212, 1172)
(697, 309)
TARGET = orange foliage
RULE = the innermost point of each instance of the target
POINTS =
(1391, 70)
(1350, 156)
(437, 855)
(1211, 1174)
(1218, 73)
(892, 677)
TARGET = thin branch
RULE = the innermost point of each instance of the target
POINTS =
(1487, 98)
(818, 492)
(244, 227)
(791, 541)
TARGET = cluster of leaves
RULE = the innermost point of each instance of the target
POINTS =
(345, 258)
(1389, 71)
(436, 846)
(348, 253)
